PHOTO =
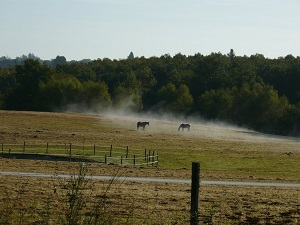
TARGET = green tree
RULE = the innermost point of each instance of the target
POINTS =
(25, 94)
(175, 100)
(146, 78)
(260, 107)
(7, 83)
(231, 54)
(284, 75)
(127, 99)
(83, 72)
(95, 95)
(184, 99)
(59, 92)
(216, 104)
(167, 96)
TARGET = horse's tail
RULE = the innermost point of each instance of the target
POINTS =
(179, 128)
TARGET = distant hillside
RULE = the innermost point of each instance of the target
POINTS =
(6, 62)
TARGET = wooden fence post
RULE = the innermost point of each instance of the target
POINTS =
(152, 158)
(105, 159)
(110, 151)
(133, 159)
(146, 155)
(24, 146)
(146, 158)
(70, 152)
(127, 152)
(194, 217)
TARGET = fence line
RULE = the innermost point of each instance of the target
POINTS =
(102, 154)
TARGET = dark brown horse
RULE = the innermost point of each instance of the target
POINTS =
(142, 124)
(183, 126)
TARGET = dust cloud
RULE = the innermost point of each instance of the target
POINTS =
(162, 122)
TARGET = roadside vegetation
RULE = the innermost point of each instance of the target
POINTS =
(67, 202)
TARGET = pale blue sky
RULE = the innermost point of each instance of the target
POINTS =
(79, 29)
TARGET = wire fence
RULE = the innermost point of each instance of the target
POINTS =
(96, 153)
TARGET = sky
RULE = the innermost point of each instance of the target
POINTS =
(92, 29)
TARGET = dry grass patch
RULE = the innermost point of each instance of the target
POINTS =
(225, 153)
(150, 203)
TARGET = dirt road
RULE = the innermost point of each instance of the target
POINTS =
(158, 180)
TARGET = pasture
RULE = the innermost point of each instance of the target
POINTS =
(224, 152)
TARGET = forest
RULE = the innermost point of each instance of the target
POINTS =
(254, 92)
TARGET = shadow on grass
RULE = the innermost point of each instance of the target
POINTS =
(34, 156)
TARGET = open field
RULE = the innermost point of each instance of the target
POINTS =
(225, 153)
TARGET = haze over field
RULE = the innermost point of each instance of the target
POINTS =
(161, 122)
(199, 128)
(165, 123)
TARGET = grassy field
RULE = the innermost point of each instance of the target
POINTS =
(225, 153)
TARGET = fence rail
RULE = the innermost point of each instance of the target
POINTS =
(97, 153)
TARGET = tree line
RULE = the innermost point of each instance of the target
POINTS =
(250, 91)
